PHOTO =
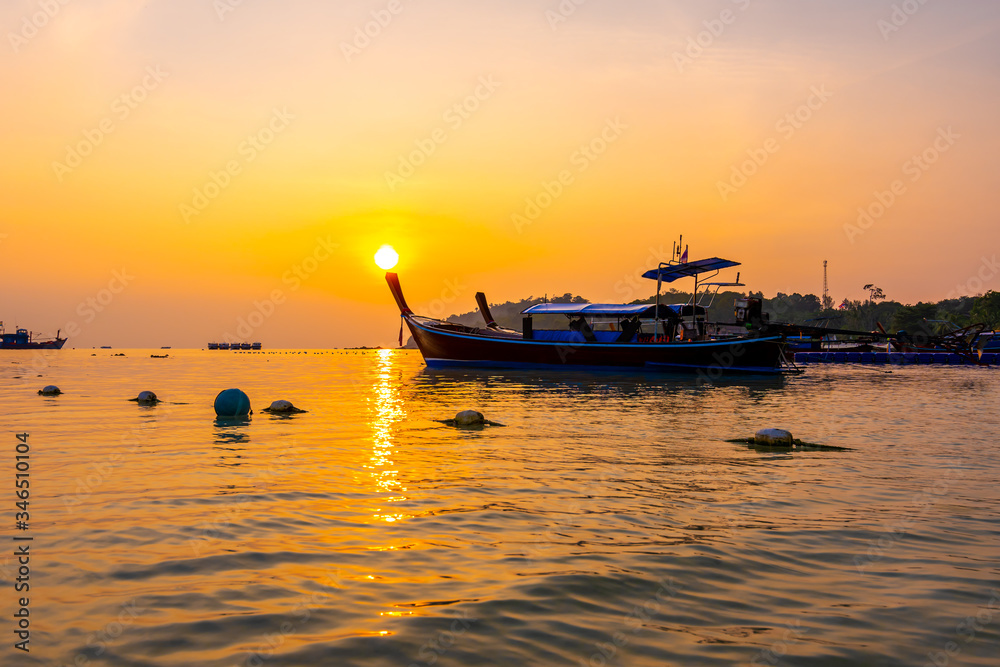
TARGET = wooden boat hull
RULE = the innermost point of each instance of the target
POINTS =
(744, 355)
(35, 345)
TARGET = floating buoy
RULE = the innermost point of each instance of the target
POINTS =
(776, 438)
(146, 398)
(281, 407)
(50, 390)
(232, 403)
(773, 437)
(469, 419)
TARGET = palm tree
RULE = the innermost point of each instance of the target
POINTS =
(874, 294)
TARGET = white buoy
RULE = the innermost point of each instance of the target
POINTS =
(773, 437)
(50, 390)
(282, 407)
(469, 418)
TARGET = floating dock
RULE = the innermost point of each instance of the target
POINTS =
(897, 358)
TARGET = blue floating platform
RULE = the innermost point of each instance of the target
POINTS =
(897, 358)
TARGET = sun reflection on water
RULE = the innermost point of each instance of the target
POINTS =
(387, 409)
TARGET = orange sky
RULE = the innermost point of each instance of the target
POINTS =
(171, 167)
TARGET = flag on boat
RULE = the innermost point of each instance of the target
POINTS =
(684, 257)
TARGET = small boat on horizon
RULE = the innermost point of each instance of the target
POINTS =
(234, 346)
(648, 337)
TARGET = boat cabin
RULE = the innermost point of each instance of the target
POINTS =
(612, 323)
(19, 337)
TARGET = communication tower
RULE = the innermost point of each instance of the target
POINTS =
(827, 301)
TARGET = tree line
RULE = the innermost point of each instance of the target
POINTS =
(930, 318)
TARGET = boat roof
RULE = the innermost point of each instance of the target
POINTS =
(672, 272)
(644, 310)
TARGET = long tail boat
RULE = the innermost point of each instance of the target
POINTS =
(646, 337)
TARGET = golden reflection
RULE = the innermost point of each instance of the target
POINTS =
(386, 406)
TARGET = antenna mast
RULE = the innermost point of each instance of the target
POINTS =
(827, 303)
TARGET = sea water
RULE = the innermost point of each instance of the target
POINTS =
(607, 522)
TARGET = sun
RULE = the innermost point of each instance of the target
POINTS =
(386, 257)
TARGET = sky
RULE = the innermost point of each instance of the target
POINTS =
(174, 172)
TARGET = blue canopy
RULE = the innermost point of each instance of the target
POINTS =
(670, 273)
(643, 310)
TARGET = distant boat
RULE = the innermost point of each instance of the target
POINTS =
(233, 346)
(22, 339)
